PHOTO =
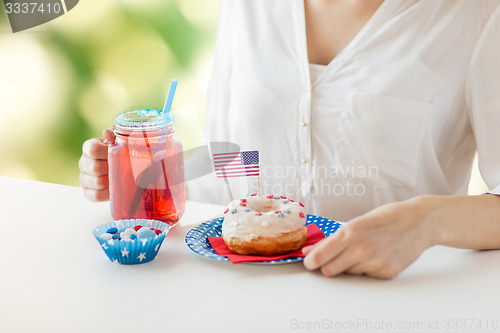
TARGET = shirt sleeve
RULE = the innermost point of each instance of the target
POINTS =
(483, 100)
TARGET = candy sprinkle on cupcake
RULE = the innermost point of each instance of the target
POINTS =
(130, 234)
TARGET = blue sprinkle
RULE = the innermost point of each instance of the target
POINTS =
(287, 211)
(285, 201)
(112, 230)
(246, 210)
(281, 214)
(116, 236)
(133, 236)
(276, 197)
(234, 210)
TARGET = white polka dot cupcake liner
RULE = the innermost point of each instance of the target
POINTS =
(124, 246)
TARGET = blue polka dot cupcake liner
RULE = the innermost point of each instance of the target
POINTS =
(132, 248)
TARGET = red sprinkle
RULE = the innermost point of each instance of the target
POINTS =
(258, 213)
(243, 200)
(137, 227)
(301, 214)
(253, 194)
(277, 211)
(270, 196)
(290, 200)
(157, 231)
(227, 210)
(283, 197)
(243, 204)
(301, 204)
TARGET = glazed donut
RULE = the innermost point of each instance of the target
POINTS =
(264, 225)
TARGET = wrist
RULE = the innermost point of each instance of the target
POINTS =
(429, 210)
(446, 220)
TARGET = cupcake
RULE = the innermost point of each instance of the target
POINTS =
(134, 241)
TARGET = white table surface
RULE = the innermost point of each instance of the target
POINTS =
(55, 278)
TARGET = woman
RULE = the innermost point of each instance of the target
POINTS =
(368, 112)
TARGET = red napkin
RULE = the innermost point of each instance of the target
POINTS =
(314, 235)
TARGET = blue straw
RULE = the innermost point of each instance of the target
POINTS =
(170, 97)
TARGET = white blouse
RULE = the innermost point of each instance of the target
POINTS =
(399, 112)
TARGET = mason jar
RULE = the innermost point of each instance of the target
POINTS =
(146, 168)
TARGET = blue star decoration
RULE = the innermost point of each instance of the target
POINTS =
(141, 256)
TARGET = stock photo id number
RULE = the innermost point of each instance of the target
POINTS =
(26, 14)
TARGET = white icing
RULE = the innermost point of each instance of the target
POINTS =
(248, 226)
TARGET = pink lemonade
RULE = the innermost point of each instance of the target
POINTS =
(146, 168)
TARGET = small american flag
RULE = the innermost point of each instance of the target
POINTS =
(237, 164)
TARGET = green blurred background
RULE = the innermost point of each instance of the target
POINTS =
(63, 82)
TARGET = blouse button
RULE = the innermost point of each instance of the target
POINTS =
(304, 124)
(304, 160)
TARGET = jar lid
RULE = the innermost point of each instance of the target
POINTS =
(143, 119)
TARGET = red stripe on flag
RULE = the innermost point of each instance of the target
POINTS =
(246, 167)
(242, 175)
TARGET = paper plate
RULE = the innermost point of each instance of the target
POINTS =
(197, 238)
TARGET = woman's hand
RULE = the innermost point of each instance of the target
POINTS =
(380, 243)
(94, 167)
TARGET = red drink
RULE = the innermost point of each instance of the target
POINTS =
(146, 168)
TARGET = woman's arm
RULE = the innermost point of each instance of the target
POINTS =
(386, 240)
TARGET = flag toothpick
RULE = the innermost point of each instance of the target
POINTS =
(237, 164)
